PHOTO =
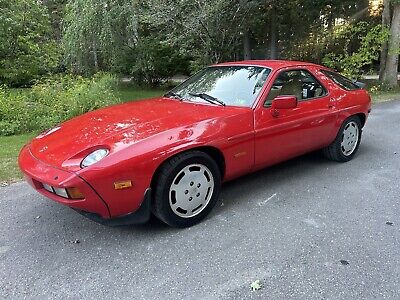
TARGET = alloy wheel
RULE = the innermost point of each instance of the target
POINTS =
(191, 190)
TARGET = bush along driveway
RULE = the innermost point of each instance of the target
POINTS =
(21, 118)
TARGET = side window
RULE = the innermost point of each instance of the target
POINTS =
(340, 80)
(299, 83)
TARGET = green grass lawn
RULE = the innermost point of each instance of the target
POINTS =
(380, 95)
(385, 96)
(9, 150)
(132, 93)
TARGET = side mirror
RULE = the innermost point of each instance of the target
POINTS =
(283, 102)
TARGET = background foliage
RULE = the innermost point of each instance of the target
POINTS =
(97, 34)
(56, 47)
(360, 46)
(152, 40)
(27, 49)
(52, 101)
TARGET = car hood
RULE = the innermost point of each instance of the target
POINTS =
(105, 127)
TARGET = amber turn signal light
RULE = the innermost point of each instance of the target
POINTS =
(75, 193)
(123, 185)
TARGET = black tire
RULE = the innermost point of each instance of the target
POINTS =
(167, 174)
(335, 151)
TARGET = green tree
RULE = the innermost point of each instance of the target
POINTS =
(26, 48)
(98, 33)
(56, 10)
(311, 34)
(360, 45)
(206, 31)
(390, 72)
(153, 61)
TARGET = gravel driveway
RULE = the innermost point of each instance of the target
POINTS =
(308, 228)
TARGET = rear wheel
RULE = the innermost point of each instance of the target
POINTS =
(347, 142)
(187, 189)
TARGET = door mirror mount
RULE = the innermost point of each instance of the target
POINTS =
(283, 102)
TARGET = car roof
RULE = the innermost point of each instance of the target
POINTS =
(272, 64)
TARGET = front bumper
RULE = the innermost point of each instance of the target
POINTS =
(140, 216)
(92, 206)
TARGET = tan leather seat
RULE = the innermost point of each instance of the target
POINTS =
(293, 88)
(275, 92)
(318, 92)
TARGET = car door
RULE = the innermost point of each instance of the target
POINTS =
(296, 131)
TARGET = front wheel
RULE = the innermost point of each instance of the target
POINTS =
(187, 189)
(347, 142)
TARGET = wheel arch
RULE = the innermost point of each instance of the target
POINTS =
(363, 118)
(343, 118)
(215, 153)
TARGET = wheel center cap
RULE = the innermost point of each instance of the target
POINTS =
(193, 191)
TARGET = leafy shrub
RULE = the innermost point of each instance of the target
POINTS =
(379, 87)
(154, 62)
(26, 48)
(355, 58)
(53, 101)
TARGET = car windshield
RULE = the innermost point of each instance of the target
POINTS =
(231, 85)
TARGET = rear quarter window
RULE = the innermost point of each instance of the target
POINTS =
(341, 81)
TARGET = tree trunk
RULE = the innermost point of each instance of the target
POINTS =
(246, 45)
(273, 37)
(390, 74)
(386, 19)
(95, 58)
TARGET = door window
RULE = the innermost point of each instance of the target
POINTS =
(299, 83)
(342, 81)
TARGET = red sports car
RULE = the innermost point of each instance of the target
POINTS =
(169, 155)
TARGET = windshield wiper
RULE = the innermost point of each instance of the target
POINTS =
(208, 98)
(174, 95)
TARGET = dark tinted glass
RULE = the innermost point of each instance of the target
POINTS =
(340, 80)
(234, 85)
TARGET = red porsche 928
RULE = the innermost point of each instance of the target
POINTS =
(169, 155)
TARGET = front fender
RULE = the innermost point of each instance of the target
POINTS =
(139, 161)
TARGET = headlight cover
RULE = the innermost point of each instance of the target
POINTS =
(94, 157)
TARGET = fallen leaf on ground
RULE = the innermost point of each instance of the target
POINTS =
(256, 285)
